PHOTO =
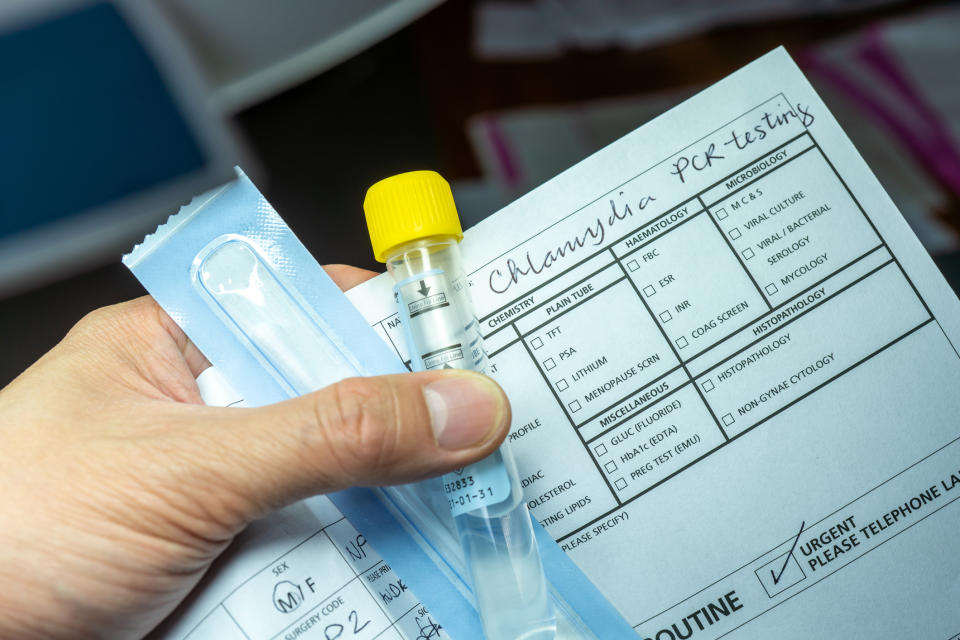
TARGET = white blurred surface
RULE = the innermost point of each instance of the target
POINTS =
(546, 28)
(250, 50)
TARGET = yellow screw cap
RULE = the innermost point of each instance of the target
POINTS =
(408, 207)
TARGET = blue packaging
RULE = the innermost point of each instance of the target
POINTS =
(250, 296)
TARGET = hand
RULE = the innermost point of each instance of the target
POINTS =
(118, 487)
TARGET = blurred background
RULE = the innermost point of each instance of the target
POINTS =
(113, 113)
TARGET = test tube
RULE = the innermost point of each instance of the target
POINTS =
(415, 229)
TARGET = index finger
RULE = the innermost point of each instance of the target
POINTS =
(347, 276)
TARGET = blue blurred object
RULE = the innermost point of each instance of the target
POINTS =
(103, 129)
(85, 118)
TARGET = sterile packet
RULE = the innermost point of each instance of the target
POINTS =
(230, 272)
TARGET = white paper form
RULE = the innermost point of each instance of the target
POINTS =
(733, 374)
(303, 572)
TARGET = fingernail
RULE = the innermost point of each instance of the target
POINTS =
(464, 408)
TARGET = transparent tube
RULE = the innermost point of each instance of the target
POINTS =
(485, 498)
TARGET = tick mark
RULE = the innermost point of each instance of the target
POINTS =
(776, 576)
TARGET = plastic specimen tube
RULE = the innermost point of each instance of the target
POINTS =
(414, 228)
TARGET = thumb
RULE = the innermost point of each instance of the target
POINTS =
(361, 432)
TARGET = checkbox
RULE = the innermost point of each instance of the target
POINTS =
(633, 265)
(771, 288)
(666, 317)
(721, 213)
(727, 420)
(649, 290)
(600, 449)
(779, 574)
(735, 233)
(549, 364)
(747, 253)
(620, 483)
(681, 342)
(610, 466)
(574, 406)
(536, 343)
(707, 385)
(562, 384)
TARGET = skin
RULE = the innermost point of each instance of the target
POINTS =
(118, 487)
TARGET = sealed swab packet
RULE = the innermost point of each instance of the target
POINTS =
(250, 296)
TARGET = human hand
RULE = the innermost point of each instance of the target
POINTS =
(118, 487)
